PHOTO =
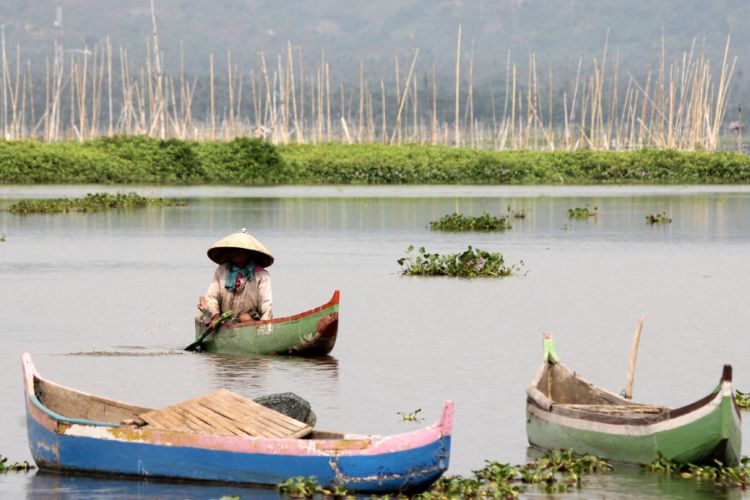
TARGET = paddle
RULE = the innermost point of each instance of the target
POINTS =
(196, 346)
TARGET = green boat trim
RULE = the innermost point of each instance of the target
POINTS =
(310, 333)
(566, 411)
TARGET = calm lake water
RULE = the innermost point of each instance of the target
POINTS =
(104, 303)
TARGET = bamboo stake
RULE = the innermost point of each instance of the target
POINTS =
(458, 89)
(633, 356)
(6, 132)
(212, 103)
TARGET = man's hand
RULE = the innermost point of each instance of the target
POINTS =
(214, 319)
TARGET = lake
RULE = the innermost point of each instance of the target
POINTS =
(104, 302)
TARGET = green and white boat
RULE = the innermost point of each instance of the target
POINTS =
(565, 411)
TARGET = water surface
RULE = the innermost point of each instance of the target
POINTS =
(104, 303)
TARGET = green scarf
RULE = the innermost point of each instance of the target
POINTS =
(234, 270)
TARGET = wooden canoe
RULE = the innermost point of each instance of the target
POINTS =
(566, 411)
(311, 333)
(72, 431)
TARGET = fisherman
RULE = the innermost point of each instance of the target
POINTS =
(241, 282)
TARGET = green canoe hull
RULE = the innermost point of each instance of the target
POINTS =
(711, 431)
(311, 333)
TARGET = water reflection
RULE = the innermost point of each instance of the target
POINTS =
(706, 216)
(52, 486)
(252, 372)
(121, 288)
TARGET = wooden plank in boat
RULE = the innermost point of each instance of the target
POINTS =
(272, 423)
(277, 418)
(614, 408)
(225, 413)
(264, 416)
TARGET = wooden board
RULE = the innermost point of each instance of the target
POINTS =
(225, 413)
(635, 408)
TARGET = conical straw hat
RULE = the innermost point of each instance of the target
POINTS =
(218, 252)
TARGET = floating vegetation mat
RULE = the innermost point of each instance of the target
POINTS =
(92, 202)
(742, 399)
(308, 487)
(471, 263)
(719, 474)
(661, 218)
(16, 466)
(555, 472)
(582, 212)
(459, 222)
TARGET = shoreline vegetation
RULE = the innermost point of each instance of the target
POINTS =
(250, 161)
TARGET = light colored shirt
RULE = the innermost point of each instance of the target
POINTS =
(249, 297)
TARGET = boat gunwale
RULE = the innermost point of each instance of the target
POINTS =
(332, 302)
(634, 419)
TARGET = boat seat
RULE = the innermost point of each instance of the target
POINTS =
(225, 413)
(616, 409)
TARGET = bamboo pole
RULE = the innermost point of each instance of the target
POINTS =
(458, 89)
(633, 358)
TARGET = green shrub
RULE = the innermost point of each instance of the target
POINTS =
(243, 160)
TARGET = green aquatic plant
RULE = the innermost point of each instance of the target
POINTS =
(15, 466)
(460, 222)
(722, 475)
(661, 218)
(582, 212)
(555, 472)
(410, 417)
(92, 202)
(468, 264)
(742, 399)
(308, 487)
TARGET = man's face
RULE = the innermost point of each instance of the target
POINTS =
(239, 257)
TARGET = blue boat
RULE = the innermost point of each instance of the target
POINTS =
(69, 430)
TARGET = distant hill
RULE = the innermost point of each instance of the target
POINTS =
(558, 32)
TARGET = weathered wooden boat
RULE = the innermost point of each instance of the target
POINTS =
(220, 437)
(566, 411)
(311, 333)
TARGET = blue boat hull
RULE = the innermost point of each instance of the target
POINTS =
(406, 470)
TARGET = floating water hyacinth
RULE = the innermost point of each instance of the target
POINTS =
(720, 474)
(556, 472)
(17, 466)
(92, 202)
(582, 212)
(661, 218)
(742, 399)
(410, 417)
(460, 222)
(308, 487)
(468, 264)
